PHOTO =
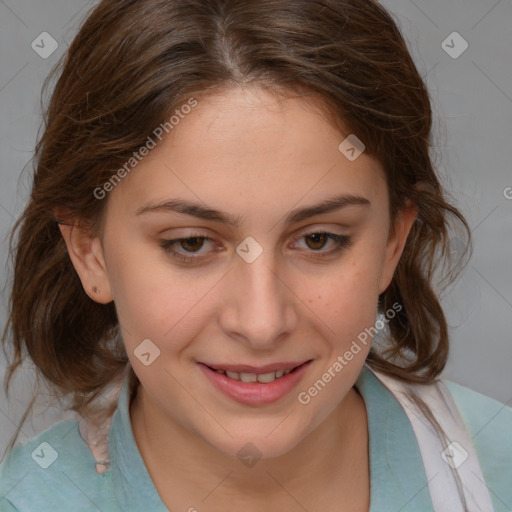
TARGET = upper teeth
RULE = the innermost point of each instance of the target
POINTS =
(256, 377)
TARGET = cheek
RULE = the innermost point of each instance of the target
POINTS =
(351, 306)
(347, 301)
(151, 300)
(170, 307)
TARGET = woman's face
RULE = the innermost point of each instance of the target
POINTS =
(249, 183)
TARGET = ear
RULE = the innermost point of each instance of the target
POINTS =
(396, 243)
(86, 253)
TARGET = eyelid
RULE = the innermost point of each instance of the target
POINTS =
(168, 244)
(341, 242)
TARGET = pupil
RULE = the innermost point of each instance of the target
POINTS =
(315, 237)
(196, 239)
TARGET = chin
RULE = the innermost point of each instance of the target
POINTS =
(264, 443)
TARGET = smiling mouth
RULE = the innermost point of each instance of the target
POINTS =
(250, 377)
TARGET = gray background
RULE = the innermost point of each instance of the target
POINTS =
(472, 101)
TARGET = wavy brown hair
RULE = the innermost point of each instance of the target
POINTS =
(130, 66)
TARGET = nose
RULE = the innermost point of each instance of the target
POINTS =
(259, 305)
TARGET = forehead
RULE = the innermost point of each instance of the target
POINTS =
(254, 145)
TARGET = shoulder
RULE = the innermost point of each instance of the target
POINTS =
(485, 417)
(51, 471)
(489, 424)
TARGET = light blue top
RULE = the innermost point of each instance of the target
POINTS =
(397, 478)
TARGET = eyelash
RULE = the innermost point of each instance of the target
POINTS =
(342, 242)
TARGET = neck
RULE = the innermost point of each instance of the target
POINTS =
(187, 470)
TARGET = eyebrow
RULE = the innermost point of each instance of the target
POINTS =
(297, 215)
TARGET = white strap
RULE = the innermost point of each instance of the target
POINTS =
(438, 460)
(94, 428)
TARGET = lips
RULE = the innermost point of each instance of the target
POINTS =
(255, 377)
(262, 374)
(244, 368)
(255, 385)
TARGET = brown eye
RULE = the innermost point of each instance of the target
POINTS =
(318, 240)
(186, 250)
(196, 243)
(317, 243)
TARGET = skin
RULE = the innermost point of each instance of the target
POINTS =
(256, 157)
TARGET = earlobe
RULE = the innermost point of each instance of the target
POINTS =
(396, 243)
(86, 254)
